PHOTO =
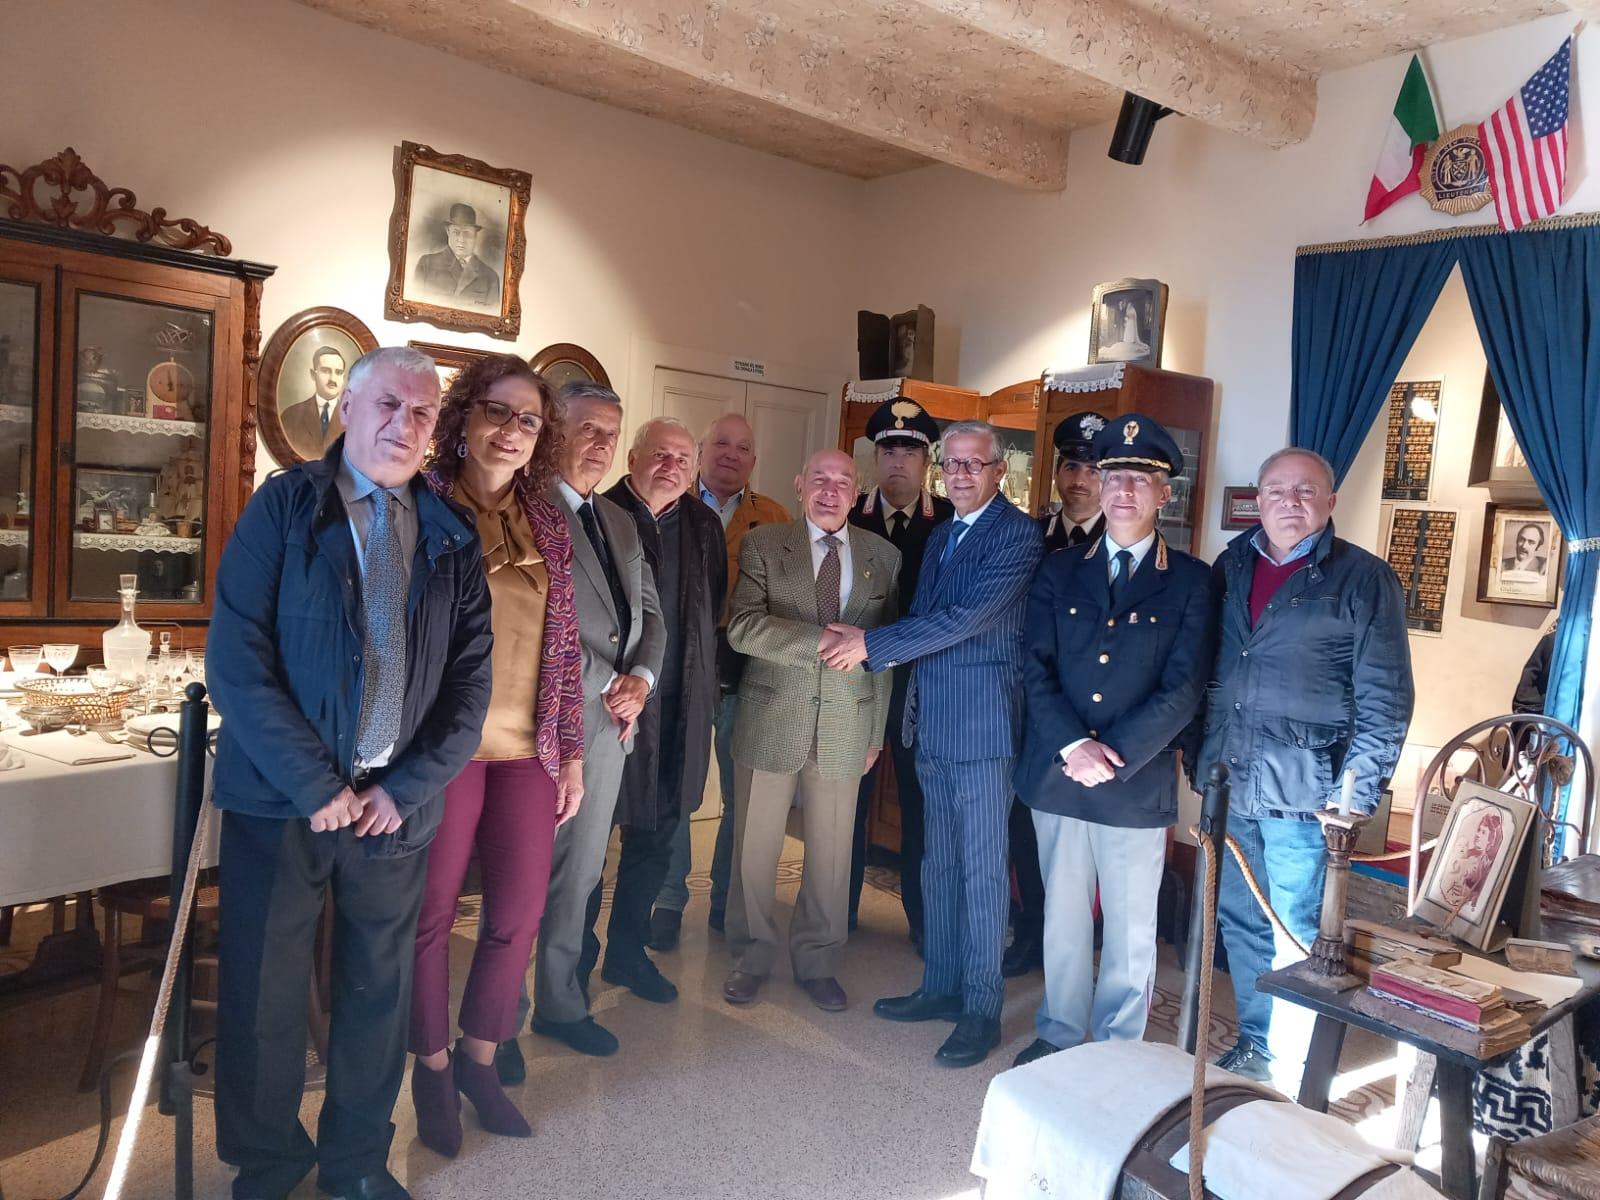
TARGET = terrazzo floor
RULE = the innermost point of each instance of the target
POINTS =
(777, 1099)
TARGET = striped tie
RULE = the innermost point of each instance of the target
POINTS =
(828, 577)
(383, 647)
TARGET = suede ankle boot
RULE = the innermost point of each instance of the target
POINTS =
(481, 1085)
(438, 1108)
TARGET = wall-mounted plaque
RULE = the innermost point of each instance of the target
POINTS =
(1408, 450)
(1455, 174)
(1419, 545)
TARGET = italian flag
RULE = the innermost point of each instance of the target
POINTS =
(1411, 128)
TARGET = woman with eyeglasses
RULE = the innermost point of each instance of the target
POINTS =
(494, 454)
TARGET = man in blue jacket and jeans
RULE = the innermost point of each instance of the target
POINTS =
(349, 658)
(1312, 678)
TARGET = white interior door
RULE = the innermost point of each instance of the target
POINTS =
(788, 424)
(695, 399)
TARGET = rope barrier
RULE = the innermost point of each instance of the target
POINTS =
(1208, 937)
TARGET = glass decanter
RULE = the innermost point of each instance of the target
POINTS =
(125, 645)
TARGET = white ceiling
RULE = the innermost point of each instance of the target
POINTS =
(872, 87)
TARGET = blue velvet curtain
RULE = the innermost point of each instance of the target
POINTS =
(1356, 314)
(1536, 298)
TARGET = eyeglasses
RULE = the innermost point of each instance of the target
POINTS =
(1305, 493)
(500, 414)
(966, 466)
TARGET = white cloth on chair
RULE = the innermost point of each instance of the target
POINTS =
(1055, 1128)
(1287, 1152)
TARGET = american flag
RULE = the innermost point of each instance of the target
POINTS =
(1525, 145)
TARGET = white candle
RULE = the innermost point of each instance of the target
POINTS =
(1347, 792)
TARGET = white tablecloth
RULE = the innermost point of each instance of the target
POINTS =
(69, 829)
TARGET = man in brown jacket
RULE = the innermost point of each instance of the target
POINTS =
(804, 730)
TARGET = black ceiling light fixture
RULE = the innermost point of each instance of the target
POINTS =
(1135, 123)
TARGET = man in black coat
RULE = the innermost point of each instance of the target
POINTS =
(901, 509)
(1118, 651)
(1077, 520)
(665, 776)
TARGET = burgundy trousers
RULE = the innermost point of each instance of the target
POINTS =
(507, 811)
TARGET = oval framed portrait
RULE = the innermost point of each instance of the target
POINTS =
(303, 372)
(565, 363)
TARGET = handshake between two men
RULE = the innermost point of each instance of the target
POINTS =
(842, 646)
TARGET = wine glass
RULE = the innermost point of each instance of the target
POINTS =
(25, 659)
(195, 662)
(103, 680)
(60, 656)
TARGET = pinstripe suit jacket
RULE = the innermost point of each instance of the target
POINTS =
(787, 698)
(964, 634)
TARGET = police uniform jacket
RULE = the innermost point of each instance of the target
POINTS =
(1058, 531)
(1130, 675)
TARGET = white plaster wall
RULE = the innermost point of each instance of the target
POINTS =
(278, 126)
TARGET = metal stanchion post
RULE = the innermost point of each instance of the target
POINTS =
(1213, 829)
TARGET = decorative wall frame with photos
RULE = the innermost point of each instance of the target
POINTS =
(1127, 320)
(297, 370)
(1522, 556)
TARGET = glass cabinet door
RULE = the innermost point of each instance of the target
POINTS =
(139, 394)
(22, 309)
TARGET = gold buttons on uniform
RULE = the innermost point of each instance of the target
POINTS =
(1152, 620)
(1111, 622)
(613, 637)
(1097, 697)
(1094, 733)
(1105, 658)
(1072, 612)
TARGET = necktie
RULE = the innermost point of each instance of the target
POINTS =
(897, 525)
(322, 408)
(383, 645)
(1077, 536)
(954, 540)
(828, 576)
(1119, 584)
(591, 528)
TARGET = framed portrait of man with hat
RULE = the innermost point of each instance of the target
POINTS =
(456, 242)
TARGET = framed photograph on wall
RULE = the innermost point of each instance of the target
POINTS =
(1497, 460)
(1126, 321)
(1241, 507)
(1521, 557)
(456, 242)
(1418, 546)
(448, 360)
(565, 363)
(303, 373)
(1408, 446)
(1471, 869)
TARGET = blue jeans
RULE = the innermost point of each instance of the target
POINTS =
(1288, 858)
(674, 892)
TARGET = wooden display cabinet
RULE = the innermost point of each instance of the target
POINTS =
(127, 407)
(1027, 414)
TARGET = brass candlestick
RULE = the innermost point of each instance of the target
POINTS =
(1328, 966)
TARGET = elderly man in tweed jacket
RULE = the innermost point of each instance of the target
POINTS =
(803, 728)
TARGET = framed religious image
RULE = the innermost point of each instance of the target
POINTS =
(1126, 321)
(565, 363)
(1497, 460)
(1241, 508)
(1418, 547)
(1471, 868)
(456, 242)
(303, 372)
(1408, 447)
(1522, 556)
(448, 360)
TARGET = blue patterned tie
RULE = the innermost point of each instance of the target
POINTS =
(383, 598)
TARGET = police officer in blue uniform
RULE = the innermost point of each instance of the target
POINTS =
(902, 509)
(1076, 520)
(1118, 651)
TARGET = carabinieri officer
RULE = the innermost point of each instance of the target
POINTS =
(1118, 650)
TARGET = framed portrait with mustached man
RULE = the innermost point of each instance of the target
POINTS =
(1521, 556)
(303, 373)
(456, 242)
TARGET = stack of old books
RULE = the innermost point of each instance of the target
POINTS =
(1370, 944)
(1454, 1010)
(1571, 892)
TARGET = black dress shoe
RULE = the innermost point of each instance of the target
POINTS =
(664, 926)
(1037, 1050)
(380, 1185)
(716, 919)
(1026, 953)
(586, 1036)
(509, 1064)
(642, 979)
(919, 1006)
(1249, 1060)
(969, 1043)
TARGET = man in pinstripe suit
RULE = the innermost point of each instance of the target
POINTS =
(964, 707)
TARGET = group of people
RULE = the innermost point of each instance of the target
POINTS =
(443, 641)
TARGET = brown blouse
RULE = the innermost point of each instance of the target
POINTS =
(518, 586)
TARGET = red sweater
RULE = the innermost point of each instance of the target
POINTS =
(1269, 577)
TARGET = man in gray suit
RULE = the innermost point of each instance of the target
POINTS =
(624, 638)
(804, 729)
